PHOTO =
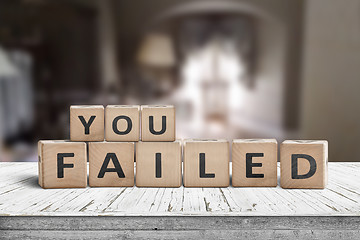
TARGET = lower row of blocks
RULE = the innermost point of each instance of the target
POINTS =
(63, 164)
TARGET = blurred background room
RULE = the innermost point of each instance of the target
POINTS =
(233, 68)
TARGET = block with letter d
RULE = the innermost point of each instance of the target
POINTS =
(87, 123)
(62, 164)
(206, 163)
(303, 164)
(157, 123)
(254, 163)
(111, 164)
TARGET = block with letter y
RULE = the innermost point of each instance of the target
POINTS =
(87, 123)
(303, 164)
(62, 164)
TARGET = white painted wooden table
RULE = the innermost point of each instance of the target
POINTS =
(26, 210)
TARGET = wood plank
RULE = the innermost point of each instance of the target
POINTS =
(21, 195)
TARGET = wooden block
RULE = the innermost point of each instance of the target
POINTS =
(206, 163)
(122, 123)
(62, 164)
(158, 164)
(157, 123)
(87, 123)
(254, 163)
(303, 164)
(111, 164)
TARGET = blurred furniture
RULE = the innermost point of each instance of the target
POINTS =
(28, 211)
(156, 59)
(16, 96)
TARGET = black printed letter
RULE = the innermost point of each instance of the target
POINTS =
(61, 165)
(250, 165)
(202, 167)
(117, 169)
(163, 125)
(294, 166)
(129, 125)
(87, 124)
(158, 165)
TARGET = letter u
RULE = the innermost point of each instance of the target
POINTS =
(163, 125)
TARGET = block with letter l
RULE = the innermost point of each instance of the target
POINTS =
(304, 164)
(62, 164)
(206, 163)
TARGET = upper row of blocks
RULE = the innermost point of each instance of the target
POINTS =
(121, 123)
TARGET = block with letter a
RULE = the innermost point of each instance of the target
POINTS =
(62, 164)
(87, 123)
(206, 163)
(157, 123)
(303, 164)
(111, 164)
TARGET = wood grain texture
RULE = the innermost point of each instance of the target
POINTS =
(215, 163)
(169, 172)
(114, 115)
(318, 150)
(121, 153)
(74, 153)
(152, 117)
(93, 115)
(264, 152)
(20, 195)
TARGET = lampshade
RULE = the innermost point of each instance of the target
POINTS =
(156, 50)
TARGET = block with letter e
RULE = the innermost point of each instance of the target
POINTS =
(304, 164)
(158, 164)
(122, 123)
(206, 163)
(62, 164)
(87, 123)
(254, 163)
(111, 164)
(157, 123)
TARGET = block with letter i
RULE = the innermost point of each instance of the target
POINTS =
(87, 123)
(303, 164)
(254, 163)
(62, 164)
(111, 164)
(158, 164)
(206, 163)
(122, 123)
(157, 123)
